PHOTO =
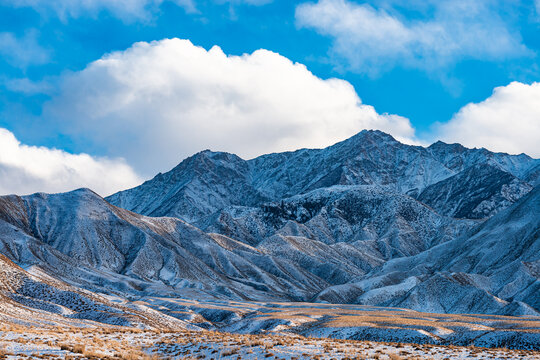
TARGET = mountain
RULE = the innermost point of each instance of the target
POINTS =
(477, 192)
(368, 199)
(80, 238)
(494, 268)
(198, 186)
(209, 182)
(340, 244)
(366, 221)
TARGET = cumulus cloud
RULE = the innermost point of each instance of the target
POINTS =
(507, 121)
(27, 169)
(22, 51)
(367, 39)
(124, 9)
(159, 102)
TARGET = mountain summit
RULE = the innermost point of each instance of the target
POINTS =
(209, 181)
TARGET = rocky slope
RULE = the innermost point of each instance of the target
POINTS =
(290, 252)
(494, 268)
(38, 299)
(390, 251)
(208, 182)
(366, 221)
(477, 192)
(82, 239)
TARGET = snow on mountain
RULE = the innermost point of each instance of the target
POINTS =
(82, 239)
(366, 221)
(360, 226)
(208, 182)
(200, 185)
(298, 248)
(37, 299)
(476, 192)
(495, 268)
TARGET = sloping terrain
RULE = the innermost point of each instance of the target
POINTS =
(343, 212)
(38, 300)
(477, 192)
(367, 221)
(495, 266)
(79, 237)
(333, 245)
(210, 181)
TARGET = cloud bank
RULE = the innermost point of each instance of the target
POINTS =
(27, 169)
(156, 103)
(507, 121)
(370, 40)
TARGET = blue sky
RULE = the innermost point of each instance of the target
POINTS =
(424, 70)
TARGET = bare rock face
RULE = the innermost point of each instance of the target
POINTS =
(492, 269)
(477, 192)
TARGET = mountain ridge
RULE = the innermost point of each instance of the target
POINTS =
(367, 221)
(210, 181)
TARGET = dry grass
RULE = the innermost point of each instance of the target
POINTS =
(134, 344)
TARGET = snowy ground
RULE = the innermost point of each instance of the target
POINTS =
(191, 329)
(19, 342)
(356, 322)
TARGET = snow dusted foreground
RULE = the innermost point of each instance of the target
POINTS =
(355, 322)
(92, 343)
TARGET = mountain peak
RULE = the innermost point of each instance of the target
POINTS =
(373, 135)
(371, 157)
(441, 145)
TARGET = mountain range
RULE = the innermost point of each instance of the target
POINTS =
(366, 221)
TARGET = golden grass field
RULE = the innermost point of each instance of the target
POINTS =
(18, 342)
(301, 331)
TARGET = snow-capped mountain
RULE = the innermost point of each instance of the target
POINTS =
(210, 181)
(367, 221)
(287, 255)
(494, 268)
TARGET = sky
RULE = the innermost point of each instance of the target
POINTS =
(107, 93)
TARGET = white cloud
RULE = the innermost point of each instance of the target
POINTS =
(124, 9)
(22, 51)
(370, 40)
(27, 169)
(507, 121)
(159, 102)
